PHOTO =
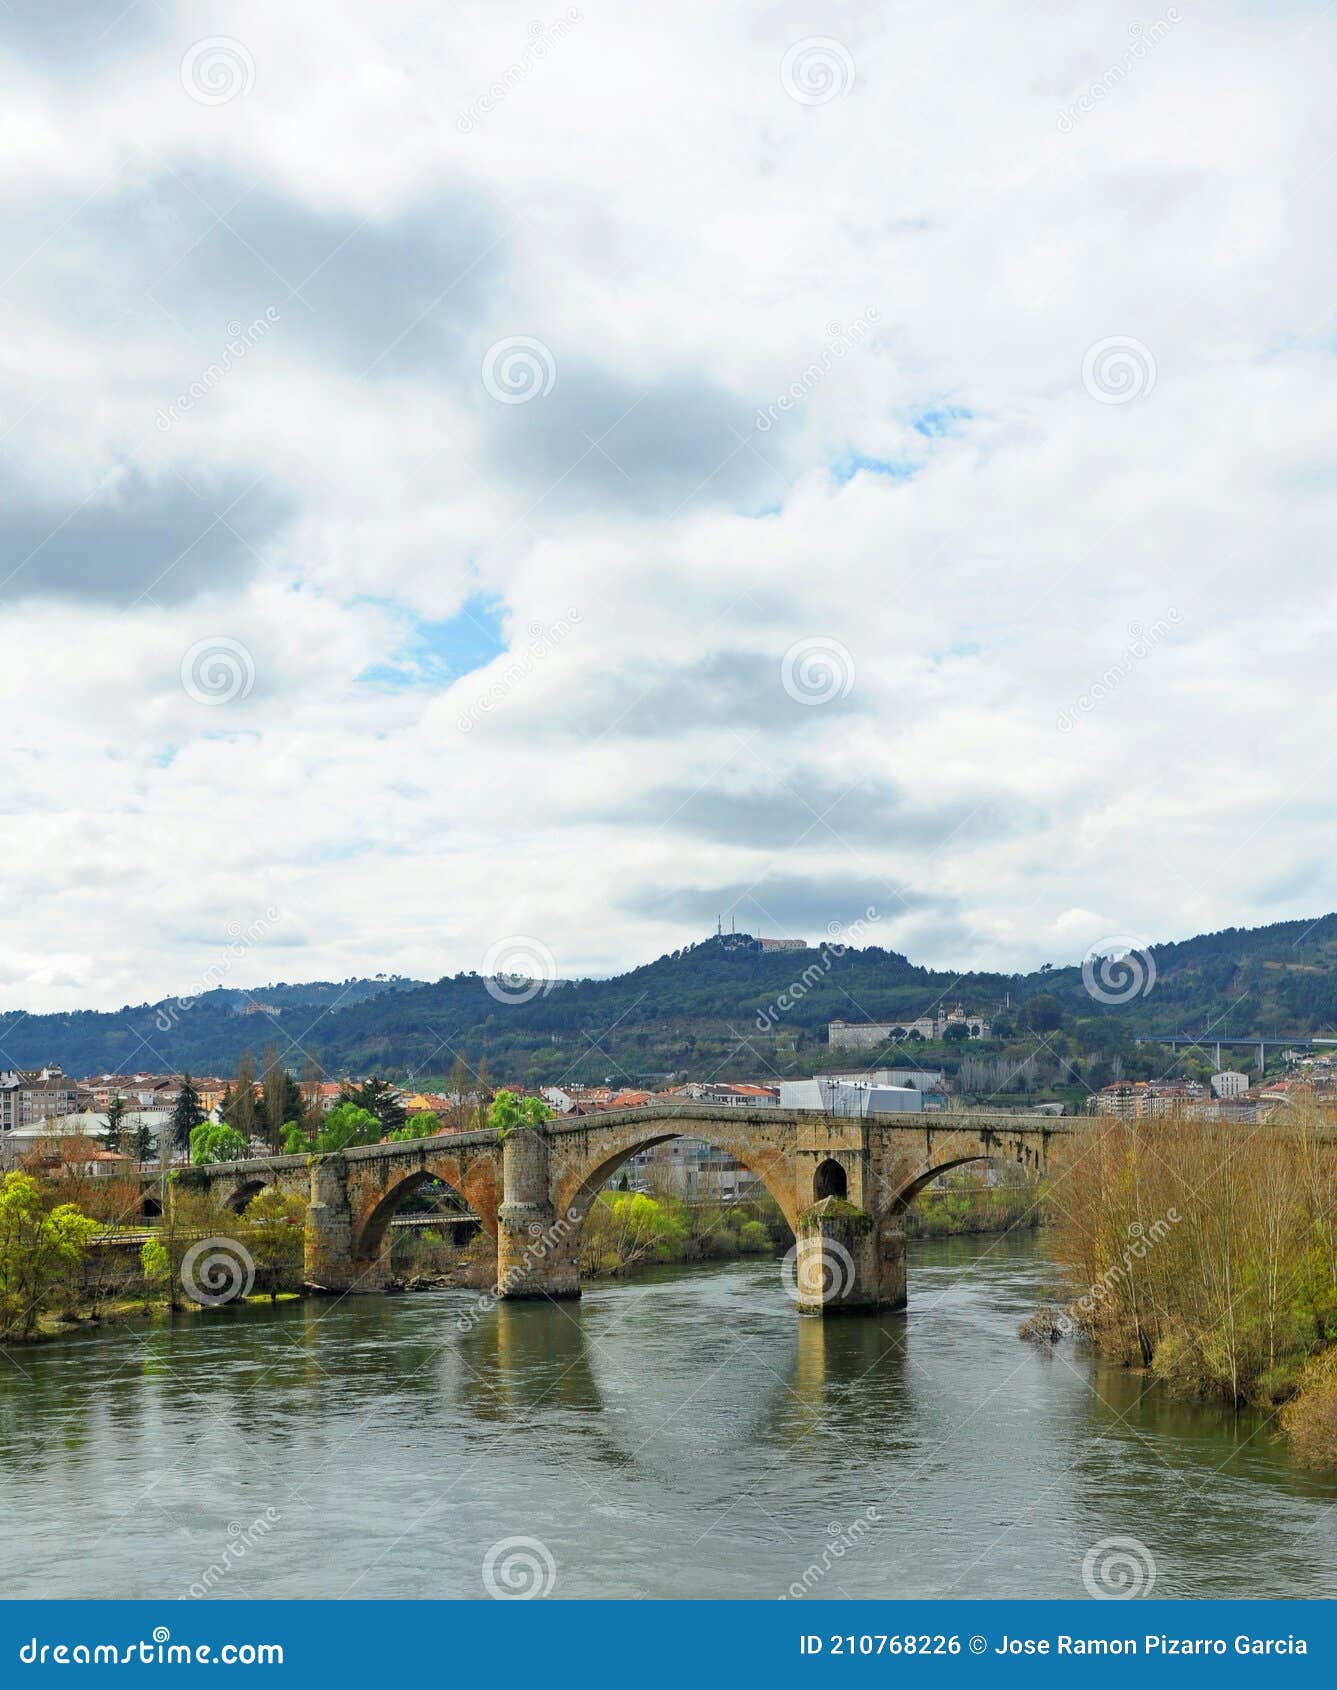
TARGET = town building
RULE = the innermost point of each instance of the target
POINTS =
(30, 1096)
(1229, 1083)
(850, 1097)
(690, 1168)
(868, 1035)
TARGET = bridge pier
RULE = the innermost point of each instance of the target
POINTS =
(329, 1259)
(537, 1254)
(847, 1262)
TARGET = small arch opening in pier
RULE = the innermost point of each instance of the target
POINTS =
(830, 1180)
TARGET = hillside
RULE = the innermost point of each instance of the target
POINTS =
(715, 1009)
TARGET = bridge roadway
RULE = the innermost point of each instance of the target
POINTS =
(843, 1184)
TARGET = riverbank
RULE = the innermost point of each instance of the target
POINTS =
(1207, 1256)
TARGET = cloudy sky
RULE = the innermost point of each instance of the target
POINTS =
(488, 483)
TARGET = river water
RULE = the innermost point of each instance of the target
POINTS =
(681, 1435)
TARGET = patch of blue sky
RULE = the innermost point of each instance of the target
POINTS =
(936, 422)
(434, 654)
(852, 463)
(958, 648)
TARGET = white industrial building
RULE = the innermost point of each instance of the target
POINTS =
(850, 1097)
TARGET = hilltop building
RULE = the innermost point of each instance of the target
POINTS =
(867, 1035)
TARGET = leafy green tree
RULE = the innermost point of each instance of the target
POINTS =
(506, 1112)
(39, 1248)
(186, 1114)
(215, 1141)
(422, 1125)
(381, 1099)
(272, 1232)
(156, 1266)
(1043, 1014)
(345, 1125)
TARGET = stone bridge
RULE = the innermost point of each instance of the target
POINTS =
(842, 1183)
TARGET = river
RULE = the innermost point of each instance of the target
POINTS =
(684, 1434)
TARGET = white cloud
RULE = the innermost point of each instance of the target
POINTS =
(688, 242)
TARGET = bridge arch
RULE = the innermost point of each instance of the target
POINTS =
(244, 1191)
(369, 1233)
(579, 1176)
(577, 1192)
(830, 1180)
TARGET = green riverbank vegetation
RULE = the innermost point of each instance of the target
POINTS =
(72, 1250)
(1207, 1253)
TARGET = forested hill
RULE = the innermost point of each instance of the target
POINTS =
(721, 1006)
